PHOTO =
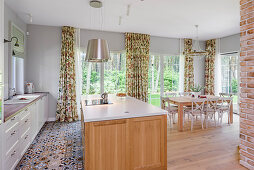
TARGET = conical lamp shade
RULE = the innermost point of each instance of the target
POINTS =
(97, 51)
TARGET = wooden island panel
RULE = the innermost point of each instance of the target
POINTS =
(126, 144)
(148, 144)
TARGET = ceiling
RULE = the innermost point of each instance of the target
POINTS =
(165, 18)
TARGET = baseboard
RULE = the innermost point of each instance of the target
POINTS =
(51, 119)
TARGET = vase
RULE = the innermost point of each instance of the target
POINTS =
(196, 94)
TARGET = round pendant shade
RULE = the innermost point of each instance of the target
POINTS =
(97, 51)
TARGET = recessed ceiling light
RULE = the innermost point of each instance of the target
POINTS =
(96, 4)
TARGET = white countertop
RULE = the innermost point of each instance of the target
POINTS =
(122, 108)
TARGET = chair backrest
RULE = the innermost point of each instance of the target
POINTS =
(170, 94)
(184, 93)
(197, 105)
(225, 94)
(212, 103)
(165, 104)
(226, 101)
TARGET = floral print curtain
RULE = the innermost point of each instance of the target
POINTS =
(137, 63)
(188, 66)
(66, 104)
(209, 66)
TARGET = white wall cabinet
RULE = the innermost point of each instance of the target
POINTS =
(19, 132)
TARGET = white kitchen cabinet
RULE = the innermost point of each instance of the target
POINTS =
(19, 131)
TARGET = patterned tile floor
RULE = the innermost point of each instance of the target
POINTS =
(57, 146)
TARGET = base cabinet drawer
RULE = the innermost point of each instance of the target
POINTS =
(11, 137)
(12, 158)
(25, 142)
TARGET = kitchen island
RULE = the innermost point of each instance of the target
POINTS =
(127, 134)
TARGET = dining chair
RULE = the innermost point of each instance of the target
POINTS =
(197, 109)
(210, 109)
(184, 93)
(224, 107)
(172, 111)
(173, 106)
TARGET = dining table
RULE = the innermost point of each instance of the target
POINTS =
(183, 101)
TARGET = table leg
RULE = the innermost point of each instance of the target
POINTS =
(180, 118)
(231, 114)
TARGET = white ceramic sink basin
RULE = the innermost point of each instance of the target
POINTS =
(21, 99)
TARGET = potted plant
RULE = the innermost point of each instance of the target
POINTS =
(196, 90)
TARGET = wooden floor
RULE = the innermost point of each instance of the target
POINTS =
(209, 149)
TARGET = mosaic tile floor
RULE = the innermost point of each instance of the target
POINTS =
(57, 146)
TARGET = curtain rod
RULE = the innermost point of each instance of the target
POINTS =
(229, 53)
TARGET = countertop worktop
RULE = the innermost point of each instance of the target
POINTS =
(122, 108)
(11, 110)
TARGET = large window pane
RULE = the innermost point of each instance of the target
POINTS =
(154, 80)
(114, 74)
(229, 76)
(113, 77)
(91, 77)
(171, 73)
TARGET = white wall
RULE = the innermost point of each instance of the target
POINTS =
(230, 43)
(10, 16)
(199, 67)
(43, 61)
(115, 40)
(163, 45)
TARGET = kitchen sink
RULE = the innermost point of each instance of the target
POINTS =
(19, 99)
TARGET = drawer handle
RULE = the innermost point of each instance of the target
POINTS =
(26, 137)
(13, 133)
(13, 118)
(14, 152)
(26, 121)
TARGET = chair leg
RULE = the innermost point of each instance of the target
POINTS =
(229, 117)
(214, 120)
(169, 120)
(201, 117)
(191, 123)
(221, 117)
(206, 121)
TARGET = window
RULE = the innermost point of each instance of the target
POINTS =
(229, 76)
(154, 80)
(171, 73)
(168, 68)
(17, 74)
(100, 77)
(114, 73)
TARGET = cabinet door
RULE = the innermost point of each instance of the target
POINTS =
(45, 108)
(34, 129)
(106, 145)
(148, 143)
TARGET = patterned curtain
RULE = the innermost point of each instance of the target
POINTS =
(188, 66)
(66, 104)
(137, 63)
(209, 66)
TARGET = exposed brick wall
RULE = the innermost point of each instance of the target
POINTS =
(247, 84)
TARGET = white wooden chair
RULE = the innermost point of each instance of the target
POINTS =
(173, 106)
(184, 93)
(211, 109)
(197, 109)
(172, 111)
(224, 107)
